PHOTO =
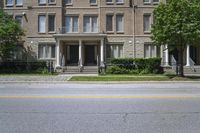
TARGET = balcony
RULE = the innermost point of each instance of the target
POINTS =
(75, 30)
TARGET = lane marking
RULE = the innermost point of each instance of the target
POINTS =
(101, 97)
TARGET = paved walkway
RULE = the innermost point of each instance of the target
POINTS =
(58, 78)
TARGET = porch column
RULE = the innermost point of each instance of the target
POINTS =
(166, 55)
(188, 56)
(102, 53)
(58, 53)
(80, 53)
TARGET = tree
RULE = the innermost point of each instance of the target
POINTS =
(10, 34)
(177, 23)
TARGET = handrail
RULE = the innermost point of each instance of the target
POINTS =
(173, 62)
(192, 63)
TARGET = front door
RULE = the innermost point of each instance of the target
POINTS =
(74, 54)
(90, 55)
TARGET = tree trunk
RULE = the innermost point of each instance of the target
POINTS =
(180, 62)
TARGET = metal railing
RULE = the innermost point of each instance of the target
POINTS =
(192, 63)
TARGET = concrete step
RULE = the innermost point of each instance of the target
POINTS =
(75, 70)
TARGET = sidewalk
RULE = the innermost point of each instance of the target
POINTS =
(46, 79)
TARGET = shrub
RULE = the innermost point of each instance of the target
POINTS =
(23, 67)
(135, 66)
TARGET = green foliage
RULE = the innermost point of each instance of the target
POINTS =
(39, 67)
(10, 34)
(177, 23)
(135, 66)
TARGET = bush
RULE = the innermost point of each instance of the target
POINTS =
(23, 67)
(135, 66)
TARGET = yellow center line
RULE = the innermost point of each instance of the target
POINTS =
(102, 97)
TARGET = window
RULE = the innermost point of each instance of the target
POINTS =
(93, 2)
(119, 1)
(147, 2)
(19, 20)
(150, 51)
(9, 2)
(41, 24)
(52, 1)
(109, 22)
(18, 53)
(147, 23)
(90, 24)
(109, 1)
(155, 1)
(51, 25)
(115, 51)
(46, 51)
(68, 2)
(120, 23)
(19, 2)
(42, 1)
(71, 24)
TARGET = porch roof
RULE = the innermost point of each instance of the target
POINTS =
(80, 36)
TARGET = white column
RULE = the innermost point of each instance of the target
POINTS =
(166, 55)
(80, 53)
(102, 53)
(188, 56)
(58, 53)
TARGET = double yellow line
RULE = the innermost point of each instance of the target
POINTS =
(105, 97)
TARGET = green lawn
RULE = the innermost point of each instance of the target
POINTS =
(133, 78)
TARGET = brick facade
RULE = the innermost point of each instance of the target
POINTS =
(133, 36)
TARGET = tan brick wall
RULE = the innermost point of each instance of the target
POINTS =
(82, 7)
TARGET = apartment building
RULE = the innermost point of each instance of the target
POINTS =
(87, 32)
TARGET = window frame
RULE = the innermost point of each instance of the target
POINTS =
(72, 22)
(9, 5)
(151, 54)
(39, 2)
(147, 3)
(54, 23)
(51, 3)
(110, 3)
(108, 31)
(93, 4)
(19, 4)
(21, 16)
(123, 24)
(40, 15)
(119, 3)
(120, 52)
(150, 22)
(68, 4)
(91, 23)
(44, 49)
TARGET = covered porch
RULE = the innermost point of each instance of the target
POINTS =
(80, 50)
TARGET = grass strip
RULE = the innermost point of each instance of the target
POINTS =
(133, 78)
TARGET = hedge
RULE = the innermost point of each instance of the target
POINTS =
(24, 67)
(135, 66)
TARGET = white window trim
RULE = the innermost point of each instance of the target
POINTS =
(117, 46)
(19, 4)
(118, 14)
(22, 19)
(120, 3)
(90, 16)
(110, 3)
(111, 14)
(69, 4)
(149, 2)
(155, 3)
(54, 22)
(40, 3)
(43, 57)
(93, 4)
(152, 55)
(45, 23)
(51, 3)
(150, 22)
(71, 21)
(10, 4)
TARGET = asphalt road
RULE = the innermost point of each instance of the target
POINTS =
(100, 108)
